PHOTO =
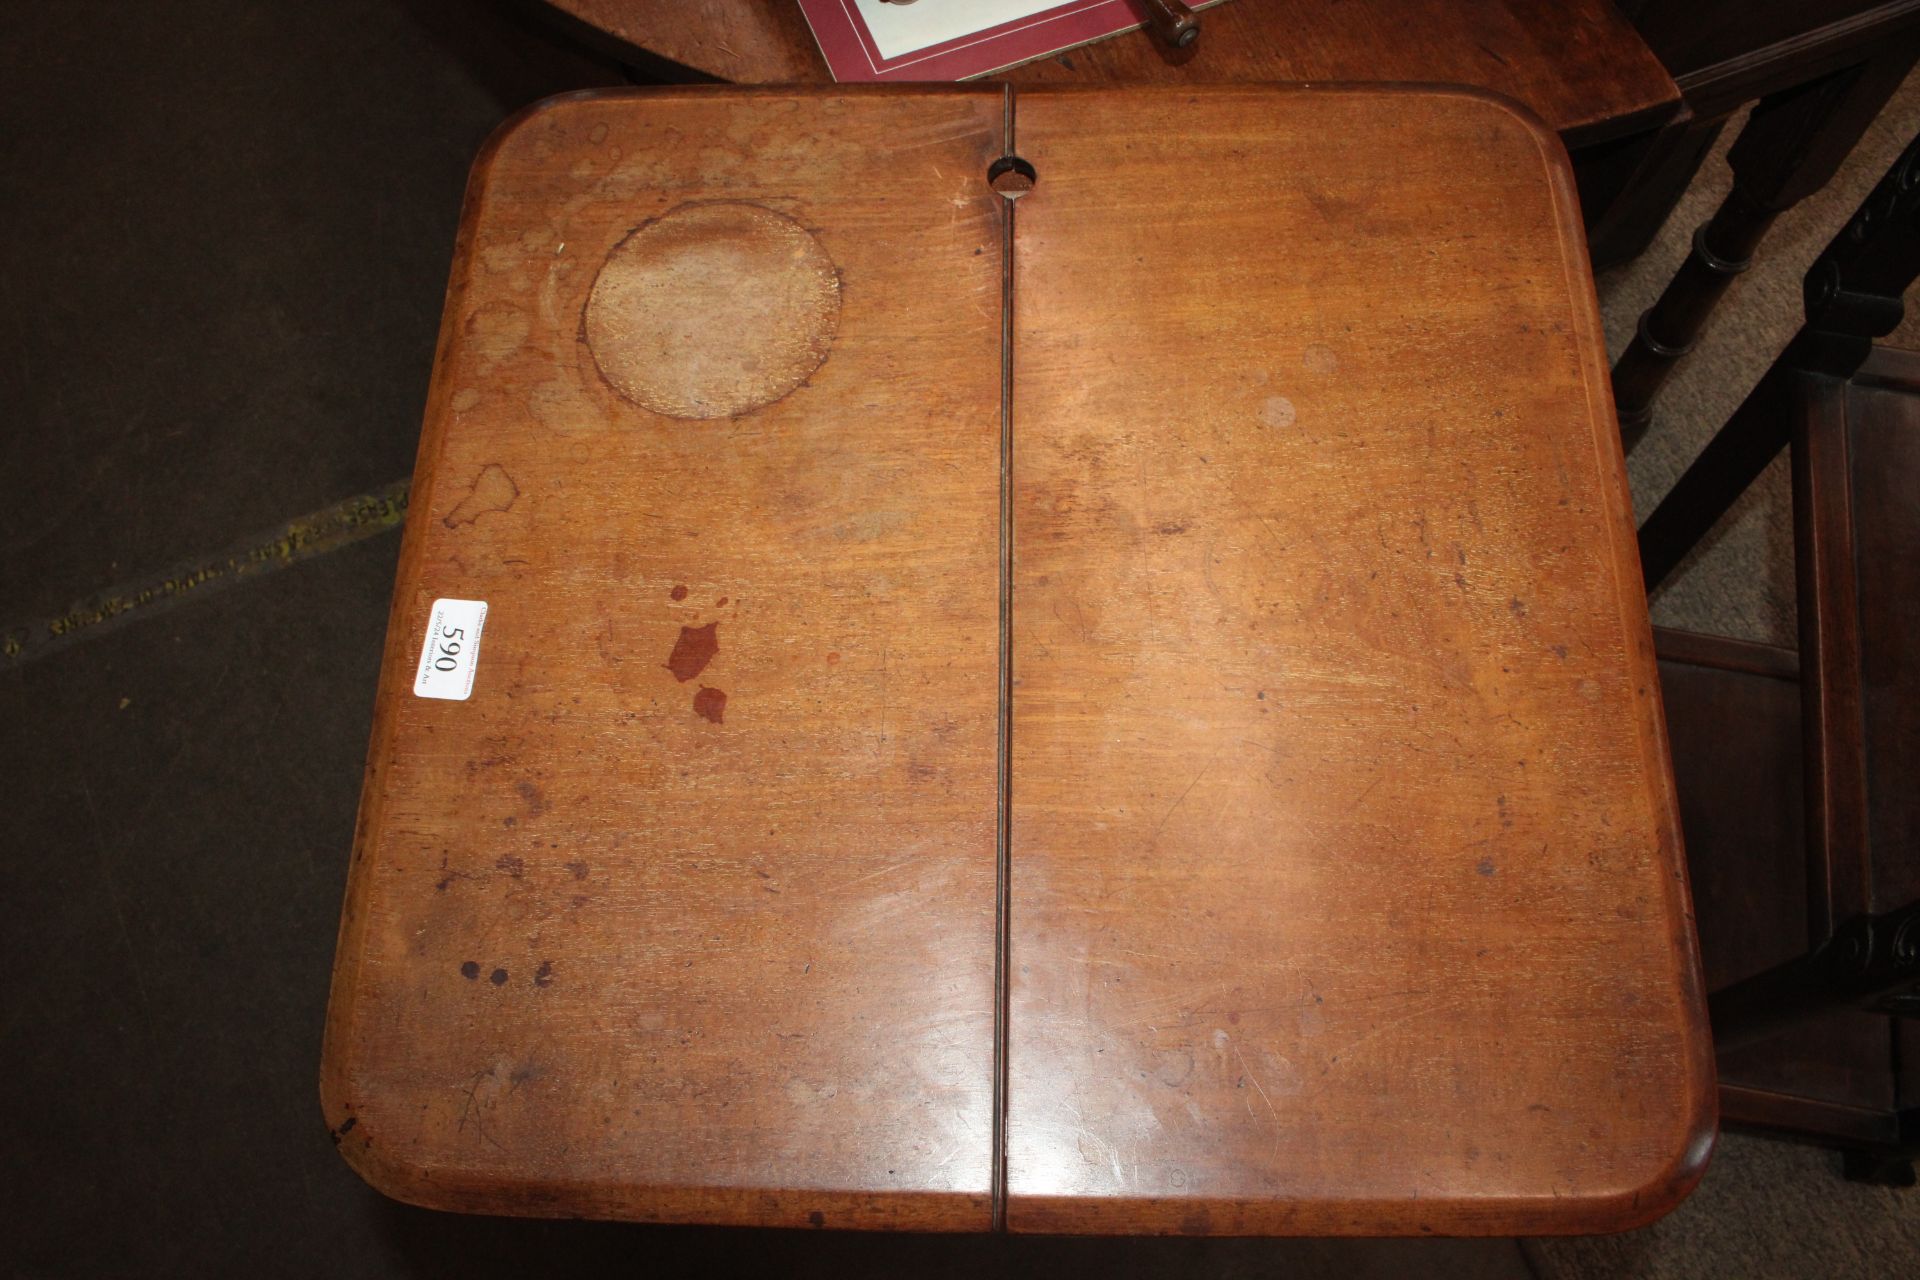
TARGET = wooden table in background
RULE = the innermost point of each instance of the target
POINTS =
(1182, 754)
(1578, 64)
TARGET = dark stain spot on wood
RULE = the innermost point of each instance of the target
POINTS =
(493, 491)
(833, 659)
(1560, 652)
(721, 603)
(346, 1127)
(579, 869)
(1517, 607)
(543, 976)
(530, 792)
(448, 875)
(710, 704)
(1484, 866)
(498, 977)
(679, 591)
(1171, 527)
(817, 1218)
(693, 651)
(1197, 1222)
(515, 867)
(1335, 209)
(470, 970)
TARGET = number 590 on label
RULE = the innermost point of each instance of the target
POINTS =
(451, 651)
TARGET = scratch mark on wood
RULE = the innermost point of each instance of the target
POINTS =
(1161, 825)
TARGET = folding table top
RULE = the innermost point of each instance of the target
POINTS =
(1125, 709)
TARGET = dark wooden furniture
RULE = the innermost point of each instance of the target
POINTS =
(1724, 54)
(1106, 712)
(1792, 145)
(1853, 295)
(1797, 773)
(1577, 64)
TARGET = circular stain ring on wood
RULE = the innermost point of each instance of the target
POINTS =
(713, 310)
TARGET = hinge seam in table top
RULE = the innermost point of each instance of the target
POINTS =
(1003, 849)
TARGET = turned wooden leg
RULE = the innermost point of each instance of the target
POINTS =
(1722, 249)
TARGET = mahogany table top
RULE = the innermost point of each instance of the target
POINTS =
(1128, 709)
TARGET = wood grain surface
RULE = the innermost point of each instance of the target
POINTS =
(1347, 891)
(1578, 64)
(688, 913)
(1341, 878)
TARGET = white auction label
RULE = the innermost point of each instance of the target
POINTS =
(451, 651)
